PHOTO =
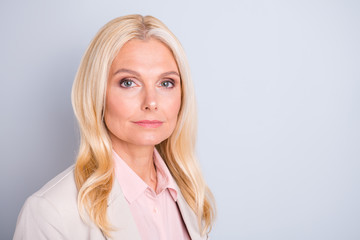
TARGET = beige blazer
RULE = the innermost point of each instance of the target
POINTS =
(52, 213)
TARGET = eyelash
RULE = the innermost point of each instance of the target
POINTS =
(125, 80)
(171, 81)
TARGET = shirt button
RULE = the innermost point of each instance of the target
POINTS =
(155, 210)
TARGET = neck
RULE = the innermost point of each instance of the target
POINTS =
(140, 160)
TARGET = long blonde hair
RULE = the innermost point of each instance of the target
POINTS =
(94, 173)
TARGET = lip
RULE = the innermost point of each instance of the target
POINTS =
(149, 123)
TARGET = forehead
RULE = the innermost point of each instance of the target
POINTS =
(145, 53)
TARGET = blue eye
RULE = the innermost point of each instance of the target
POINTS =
(167, 84)
(126, 83)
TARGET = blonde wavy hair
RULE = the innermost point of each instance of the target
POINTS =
(94, 170)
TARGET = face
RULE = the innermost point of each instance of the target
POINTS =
(143, 96)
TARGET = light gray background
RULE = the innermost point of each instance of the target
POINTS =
(277, 85)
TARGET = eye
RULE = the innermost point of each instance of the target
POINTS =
(127, 83)
(167, 84)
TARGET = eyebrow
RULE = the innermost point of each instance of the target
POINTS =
(125, 70)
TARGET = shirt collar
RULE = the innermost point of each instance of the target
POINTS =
(164, 177)
(133, 186)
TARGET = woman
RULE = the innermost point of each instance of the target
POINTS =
(136, 176)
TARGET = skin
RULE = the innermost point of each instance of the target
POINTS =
(144, 84)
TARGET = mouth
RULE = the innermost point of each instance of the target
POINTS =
(149, 123)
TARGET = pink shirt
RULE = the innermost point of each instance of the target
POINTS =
(156, 214)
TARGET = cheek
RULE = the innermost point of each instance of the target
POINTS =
(173, 108)
(116, 112)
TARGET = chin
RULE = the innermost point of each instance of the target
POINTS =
(149, 140)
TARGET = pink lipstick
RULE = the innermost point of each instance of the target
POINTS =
(149, 123)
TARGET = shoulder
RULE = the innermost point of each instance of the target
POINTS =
(52, 211)
(60, 188)
(60, 193)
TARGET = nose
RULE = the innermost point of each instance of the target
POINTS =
(150, 100)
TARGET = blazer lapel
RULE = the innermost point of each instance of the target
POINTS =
(120, 216)
(189, 218)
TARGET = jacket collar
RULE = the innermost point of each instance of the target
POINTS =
(120, 216)
(189, 218)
